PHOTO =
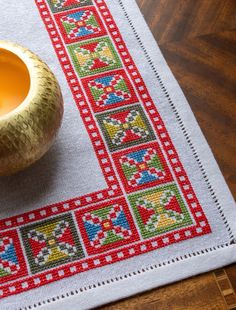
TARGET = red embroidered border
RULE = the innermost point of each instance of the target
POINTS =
(113, 190)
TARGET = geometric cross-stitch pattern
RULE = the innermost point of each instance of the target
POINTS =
(109, 90)
(8, 260)
(159, 210)
(106, 226)
(12, 264)
(148, 201)
(142, 167)
(51, 243)
(62, 5)
(80, 24)
(94, 56)
(125, 127)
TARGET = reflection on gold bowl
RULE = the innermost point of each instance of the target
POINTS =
(31, 108)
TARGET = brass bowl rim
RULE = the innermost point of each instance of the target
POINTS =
(19, 52)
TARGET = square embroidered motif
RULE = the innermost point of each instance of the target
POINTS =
(12, 264)
(125, 127)
(109, 90)
(80, 24)
(94, 56)
(142, 167)
(51, 243)
(62, 5)
(106, 226)
(159, 210)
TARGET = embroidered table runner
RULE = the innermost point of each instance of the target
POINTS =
(130, 196)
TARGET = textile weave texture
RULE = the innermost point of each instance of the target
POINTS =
(164, 206)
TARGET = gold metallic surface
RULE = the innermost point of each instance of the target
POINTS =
(27, 132)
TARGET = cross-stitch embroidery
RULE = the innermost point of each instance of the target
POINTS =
(142, 167)
(123, 125)
(111, 90)
(106, 226)
(51, 243)
(61, 5)
(94, 56)
(80, 24)
(159, 210)
(12, 264)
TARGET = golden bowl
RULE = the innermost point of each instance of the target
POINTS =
(31, 108)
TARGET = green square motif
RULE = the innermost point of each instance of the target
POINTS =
(63, 5)
(159, 210)
(94, 56)
(51, 243)
(125, 127)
